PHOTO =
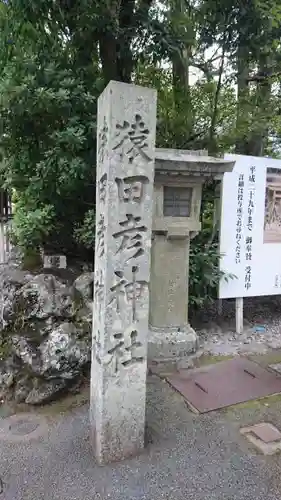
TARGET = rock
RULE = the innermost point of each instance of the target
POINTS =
(45, 392)
(22, 389)
(7, 378)
(185, 364)
(274, 343)
(27, 353)
(276, 367)
(43, 297)
(45, 338)
(11, 280)
(85, 285)
(53, 365)
(12, 277)
(63, 354)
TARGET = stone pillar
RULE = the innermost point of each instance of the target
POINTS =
(125, 174)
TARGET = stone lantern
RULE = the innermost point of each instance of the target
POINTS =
(179, 177)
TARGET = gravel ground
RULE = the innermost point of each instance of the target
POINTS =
(189, 457)
(262, 327)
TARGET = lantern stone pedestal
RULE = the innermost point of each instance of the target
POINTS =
(179, 177)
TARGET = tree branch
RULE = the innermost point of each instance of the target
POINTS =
(206, 67)
(262, 77)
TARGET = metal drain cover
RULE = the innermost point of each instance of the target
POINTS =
(264, 436)
(21, 427)
(224, 384)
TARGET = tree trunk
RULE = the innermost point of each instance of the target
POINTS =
(259, 135)
(242, 118)
(125, 17)
(180, 64)
(213, 146)
(108, 55)
(180, 60)
(127, 27)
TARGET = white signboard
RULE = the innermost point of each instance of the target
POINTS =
(250, 238)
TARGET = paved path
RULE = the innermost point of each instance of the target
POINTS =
(189, 457)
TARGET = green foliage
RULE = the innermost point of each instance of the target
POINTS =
(56, 58)
(204, 272)
(85, 233)
(172, 124)
(204, 262)
(31, 228)
(49, 118)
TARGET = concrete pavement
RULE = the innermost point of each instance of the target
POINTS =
(188, 457)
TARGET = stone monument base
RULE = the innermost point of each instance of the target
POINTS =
(171, 344)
